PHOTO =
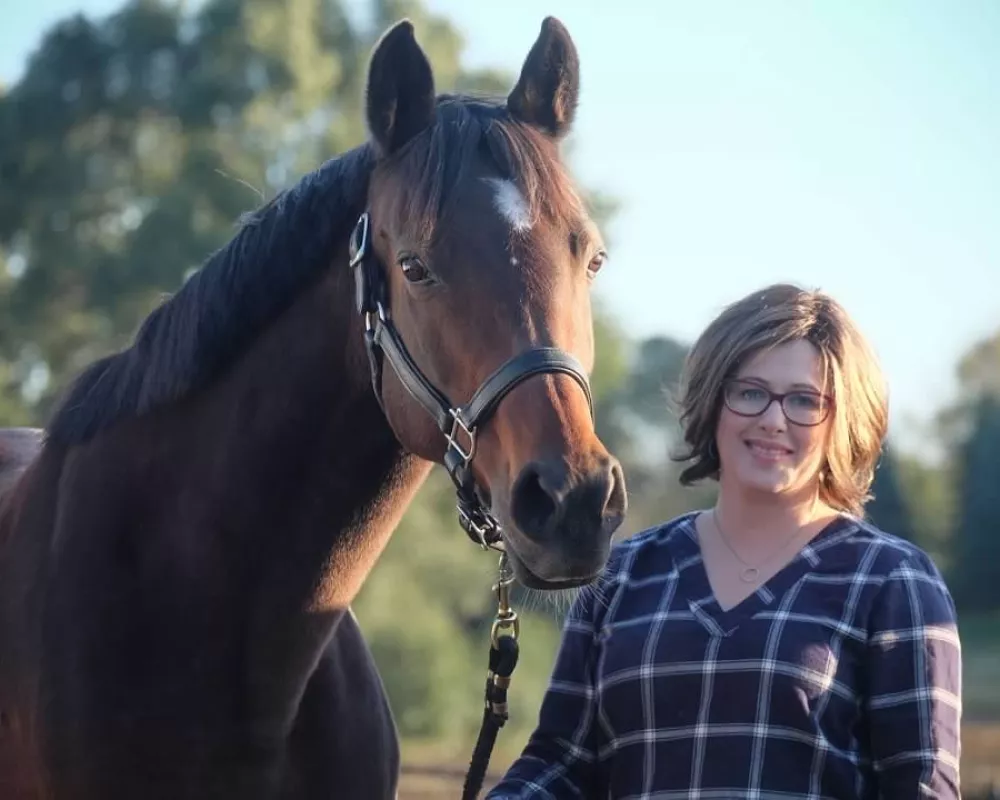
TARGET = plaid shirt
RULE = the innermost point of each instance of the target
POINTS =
(839, 678)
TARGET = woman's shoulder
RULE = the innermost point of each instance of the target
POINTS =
(900, 576)
(656, 544)
(882, 552)
(660, 533)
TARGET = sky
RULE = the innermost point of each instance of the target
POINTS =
(852, 147)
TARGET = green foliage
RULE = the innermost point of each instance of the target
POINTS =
(977, 564)
(929, 491)
(654, 379)
(978, 374)
(979, 368)
(960, 497)
(887, 509)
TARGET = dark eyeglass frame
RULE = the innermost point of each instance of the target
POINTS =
(780, 398)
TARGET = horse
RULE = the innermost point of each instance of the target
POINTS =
(181, 546)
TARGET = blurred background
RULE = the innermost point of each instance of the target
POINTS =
(851, 147)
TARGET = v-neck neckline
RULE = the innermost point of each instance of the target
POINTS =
(701, 597)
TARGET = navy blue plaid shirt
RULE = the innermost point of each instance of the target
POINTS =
(839, 678)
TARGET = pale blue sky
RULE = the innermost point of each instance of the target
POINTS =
(850, 146)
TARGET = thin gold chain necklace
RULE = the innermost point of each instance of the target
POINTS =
(750, 573)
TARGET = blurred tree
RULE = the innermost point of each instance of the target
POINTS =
(978, 374)
(653, 380)
(887, 509)
(979, 368)
(976, 572)
(929, 489)
(945, 494)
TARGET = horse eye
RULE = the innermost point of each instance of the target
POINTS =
(596, 263)
(414, 270)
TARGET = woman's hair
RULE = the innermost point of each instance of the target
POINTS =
(776, 315)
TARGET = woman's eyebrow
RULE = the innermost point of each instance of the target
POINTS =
(764, 382)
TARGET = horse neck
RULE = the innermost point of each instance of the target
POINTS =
(300, 484)
(307, 445)
(315, 484)
(268, 497)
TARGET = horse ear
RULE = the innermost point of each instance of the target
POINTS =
(400, 94)
(547, 92)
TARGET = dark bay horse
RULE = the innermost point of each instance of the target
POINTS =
(179, 555)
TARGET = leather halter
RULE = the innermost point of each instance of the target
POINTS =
(459, 424)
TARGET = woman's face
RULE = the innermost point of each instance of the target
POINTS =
(760, 448)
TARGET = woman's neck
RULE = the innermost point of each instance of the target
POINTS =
(754, 516)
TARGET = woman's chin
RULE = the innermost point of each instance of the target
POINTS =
(774, 482)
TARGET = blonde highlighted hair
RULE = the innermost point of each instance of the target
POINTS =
(764, 319)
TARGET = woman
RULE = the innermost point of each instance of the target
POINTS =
(776, 645)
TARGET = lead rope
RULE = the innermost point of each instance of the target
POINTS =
(503, 659)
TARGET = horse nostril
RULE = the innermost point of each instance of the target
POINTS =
(534, 503)
(544, 498)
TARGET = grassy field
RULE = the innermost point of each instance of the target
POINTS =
(436, 774)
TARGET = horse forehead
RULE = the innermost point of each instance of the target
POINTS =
(511, 204)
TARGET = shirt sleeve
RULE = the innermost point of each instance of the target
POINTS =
(560, 759)
(915, 685)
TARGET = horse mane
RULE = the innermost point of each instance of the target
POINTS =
(285, 245)
(278, 251)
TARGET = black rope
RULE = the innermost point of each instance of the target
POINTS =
(503, 659)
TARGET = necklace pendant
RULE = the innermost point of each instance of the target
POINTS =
(749, 574)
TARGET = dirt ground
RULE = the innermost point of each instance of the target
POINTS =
(437, 782)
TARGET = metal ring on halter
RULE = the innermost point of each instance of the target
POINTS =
(452, 436)
(360, 240)
(479, 532)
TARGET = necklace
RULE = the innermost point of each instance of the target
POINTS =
(749, 573)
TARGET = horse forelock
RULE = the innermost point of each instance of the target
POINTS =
(430, 169)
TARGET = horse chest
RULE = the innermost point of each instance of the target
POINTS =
(344, 743)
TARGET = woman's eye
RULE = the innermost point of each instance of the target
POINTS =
(414, 270)
(596, 263)
(805, 400)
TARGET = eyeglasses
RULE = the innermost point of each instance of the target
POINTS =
(801, 407)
